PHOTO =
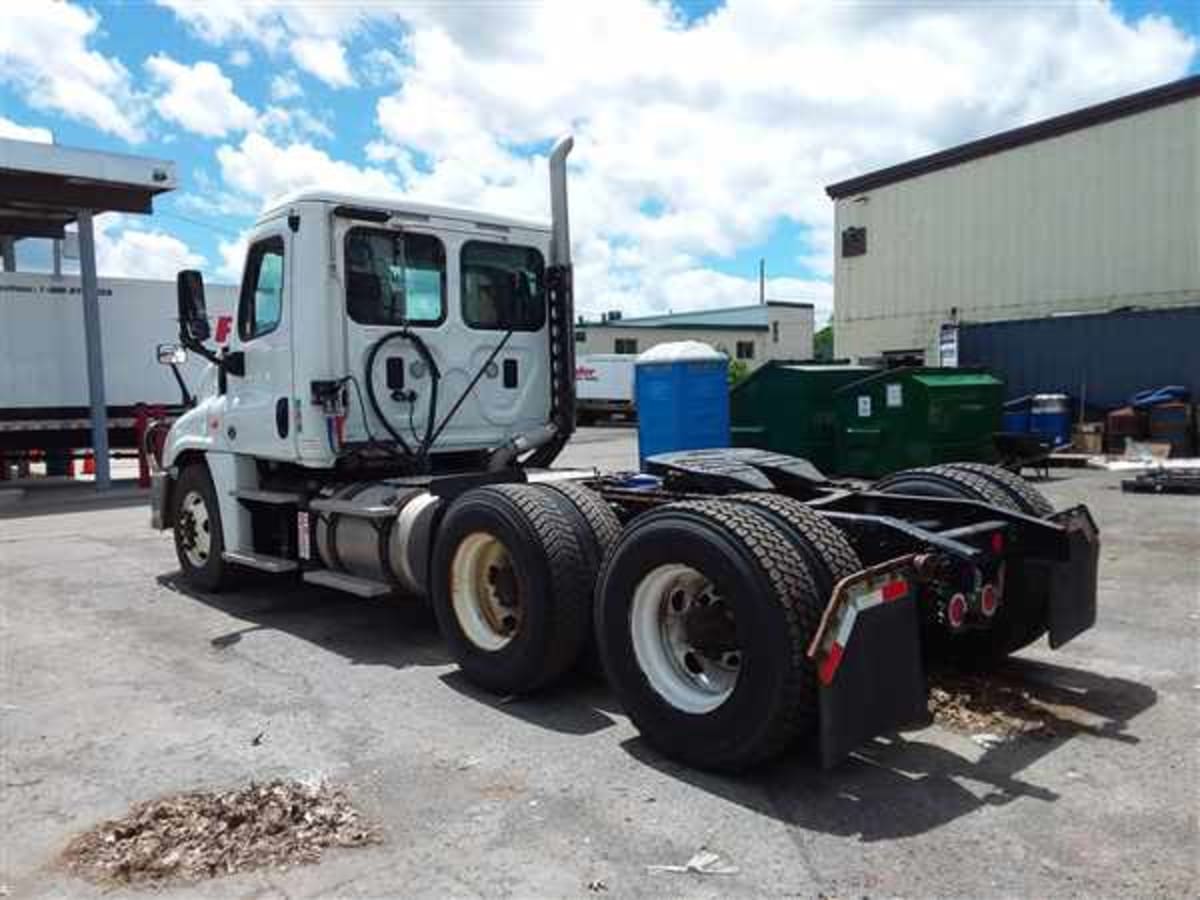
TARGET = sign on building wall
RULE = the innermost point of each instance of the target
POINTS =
(948, 344)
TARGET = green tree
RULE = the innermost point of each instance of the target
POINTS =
(738, 370)
(823, 343)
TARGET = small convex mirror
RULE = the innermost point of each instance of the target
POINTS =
(171, 355)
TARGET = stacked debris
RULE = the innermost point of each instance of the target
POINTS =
(197, 835)
(977, 704)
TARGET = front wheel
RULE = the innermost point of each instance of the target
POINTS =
(199, 541)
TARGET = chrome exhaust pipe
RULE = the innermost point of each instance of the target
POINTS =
(560, 230)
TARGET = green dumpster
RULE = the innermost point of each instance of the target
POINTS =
(789, 408)
(910, 417)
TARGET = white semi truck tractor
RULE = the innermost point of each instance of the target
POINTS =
(384, 419)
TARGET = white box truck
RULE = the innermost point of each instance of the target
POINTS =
(604, 386)
(43, 363)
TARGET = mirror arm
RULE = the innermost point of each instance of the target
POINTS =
(188, 400)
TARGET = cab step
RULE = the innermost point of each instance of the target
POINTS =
(339, 581)
(276, 565)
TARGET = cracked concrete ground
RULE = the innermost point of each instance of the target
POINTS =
(120, 686)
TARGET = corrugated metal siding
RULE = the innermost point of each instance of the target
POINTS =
(1106, 358)
(1093, 220)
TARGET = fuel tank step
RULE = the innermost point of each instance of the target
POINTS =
(350, 508)
(360, 587)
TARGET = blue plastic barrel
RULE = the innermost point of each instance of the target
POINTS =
(682, 392)
(1050, 416)
(1015, 418)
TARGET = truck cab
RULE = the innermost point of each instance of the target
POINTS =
(361, 324)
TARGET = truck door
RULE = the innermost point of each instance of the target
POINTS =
(258, 414)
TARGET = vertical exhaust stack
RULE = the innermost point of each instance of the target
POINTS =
(560, 230)
(547, 441)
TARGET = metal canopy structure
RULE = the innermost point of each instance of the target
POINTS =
(44, 188)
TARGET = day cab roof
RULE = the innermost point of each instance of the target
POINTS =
(400, 208)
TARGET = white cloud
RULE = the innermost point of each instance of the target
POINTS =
(240, 57)
(293, 124)
(285, 87)
(233, 256)
(17, 132)
(126, 249)
(45, 55)
(315, 34)
(323, 58)
(696, 140)
(262, 169)
(199, 97)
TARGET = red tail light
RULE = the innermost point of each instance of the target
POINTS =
(997, 543)
(956, 611)
(989, 600)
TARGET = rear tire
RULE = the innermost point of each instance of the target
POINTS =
(704, 612)
(199, 539)
(822, 544)
(1029, 499)
(950, 482)
(600, 526)
(1020, 621)
(511, 587)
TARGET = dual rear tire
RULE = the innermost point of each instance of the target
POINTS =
(511, 581)
(1021, 620)
(702, 611)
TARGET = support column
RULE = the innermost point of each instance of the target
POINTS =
(8, 252)
(95, 356)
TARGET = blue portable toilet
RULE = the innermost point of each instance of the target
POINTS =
(1050, 416)
(682, 392)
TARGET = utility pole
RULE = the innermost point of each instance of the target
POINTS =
(762, 281)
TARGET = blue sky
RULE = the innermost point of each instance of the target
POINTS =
(706, 131)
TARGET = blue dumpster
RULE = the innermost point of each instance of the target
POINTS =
(682, 392)
(1050, 416)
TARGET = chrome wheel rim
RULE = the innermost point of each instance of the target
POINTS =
(684, 638)
(195, 528)
(484, 592)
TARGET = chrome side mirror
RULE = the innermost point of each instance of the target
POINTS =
(171, 355)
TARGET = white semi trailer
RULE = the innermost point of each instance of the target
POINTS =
(383, 421)
(43, 366)
(604, 384)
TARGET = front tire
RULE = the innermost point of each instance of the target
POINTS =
(199, 539)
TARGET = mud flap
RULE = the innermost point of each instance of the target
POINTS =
(868, 656)
(1073, 583)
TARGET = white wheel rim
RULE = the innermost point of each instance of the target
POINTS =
(681, 673)
(196, 527)
(484, 593)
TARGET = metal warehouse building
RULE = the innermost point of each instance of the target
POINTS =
(1095, 210)
(776, 329)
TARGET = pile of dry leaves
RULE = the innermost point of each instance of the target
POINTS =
(205, 834)
(988, 704)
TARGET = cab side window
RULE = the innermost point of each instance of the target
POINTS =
(260, 306)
